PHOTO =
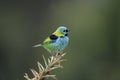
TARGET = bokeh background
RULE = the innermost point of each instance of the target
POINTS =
(94, 49)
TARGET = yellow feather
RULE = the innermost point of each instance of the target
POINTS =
(58, 33)
(47, 40)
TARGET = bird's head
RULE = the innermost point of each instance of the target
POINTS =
(61, 31)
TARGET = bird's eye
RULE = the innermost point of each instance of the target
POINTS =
(66, 30)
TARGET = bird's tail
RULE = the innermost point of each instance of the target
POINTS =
(38, 45)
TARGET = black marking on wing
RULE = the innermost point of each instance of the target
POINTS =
(61, 36)
(53, 37)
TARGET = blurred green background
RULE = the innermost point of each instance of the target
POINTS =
(94, 49)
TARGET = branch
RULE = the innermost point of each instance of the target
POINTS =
(51, 63)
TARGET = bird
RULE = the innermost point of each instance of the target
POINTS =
(57, 41)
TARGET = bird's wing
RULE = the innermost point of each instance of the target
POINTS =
(52, 38)
(47, 40)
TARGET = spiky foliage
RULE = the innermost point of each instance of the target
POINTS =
(44, 72)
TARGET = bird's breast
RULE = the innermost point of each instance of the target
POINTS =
(63, 42)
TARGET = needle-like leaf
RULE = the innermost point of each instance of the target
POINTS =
(45, 61)
(34, 72)
(40, 66)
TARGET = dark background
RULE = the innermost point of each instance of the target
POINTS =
(94, 49)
